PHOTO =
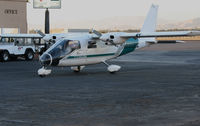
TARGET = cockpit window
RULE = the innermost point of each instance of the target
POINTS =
(74, 44)
(64, 47)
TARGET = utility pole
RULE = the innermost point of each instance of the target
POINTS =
(47, 23)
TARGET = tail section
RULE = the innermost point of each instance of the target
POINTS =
(151, 20)
(149, 26)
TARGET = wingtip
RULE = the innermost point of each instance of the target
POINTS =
(194, 33)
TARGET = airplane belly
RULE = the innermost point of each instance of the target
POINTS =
(96, 60)
(72, 62)
(84, 61)
(91, 56)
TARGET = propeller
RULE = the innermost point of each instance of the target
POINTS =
(100, 37)
(40, 33)
(46, 40)
(44, 36)
(96, 33)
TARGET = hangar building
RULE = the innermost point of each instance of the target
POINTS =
(13, 14)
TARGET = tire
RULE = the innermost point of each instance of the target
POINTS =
(76, 71)
(29, 55)
(5, 56)
(42, 76)
(112, 72)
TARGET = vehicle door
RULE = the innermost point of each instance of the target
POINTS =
(19, 48)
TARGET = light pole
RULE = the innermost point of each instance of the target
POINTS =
(47, 4)
(47, 23)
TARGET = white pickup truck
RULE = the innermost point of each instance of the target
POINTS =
(14, 46)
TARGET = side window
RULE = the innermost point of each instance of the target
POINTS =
(12, 39)
(92, 44)
(20, 41)
(5, 39)
(36, 41)
(74, 45)
(28, 41)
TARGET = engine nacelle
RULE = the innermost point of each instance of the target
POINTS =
(112, 38)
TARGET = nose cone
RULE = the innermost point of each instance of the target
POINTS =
(46, 59)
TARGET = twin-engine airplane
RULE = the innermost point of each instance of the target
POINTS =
(79, 50)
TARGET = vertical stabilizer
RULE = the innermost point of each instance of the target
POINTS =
(149, 26)
(151, 20)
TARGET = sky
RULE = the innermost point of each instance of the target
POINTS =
(83, 10)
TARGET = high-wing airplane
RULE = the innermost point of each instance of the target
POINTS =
(79, 50)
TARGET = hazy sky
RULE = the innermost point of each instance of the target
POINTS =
(78, 10)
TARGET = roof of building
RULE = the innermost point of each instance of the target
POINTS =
(16, 0)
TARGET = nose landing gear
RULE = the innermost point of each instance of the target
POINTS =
(44, 72)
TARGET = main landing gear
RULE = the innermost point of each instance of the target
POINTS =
(112, 68)
(77, 69)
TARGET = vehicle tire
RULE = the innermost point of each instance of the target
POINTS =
(29, 55)
(5, 56)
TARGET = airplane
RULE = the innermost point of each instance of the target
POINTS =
(80, 50)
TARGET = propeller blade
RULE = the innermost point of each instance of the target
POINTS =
(40, 33)
(97, 33)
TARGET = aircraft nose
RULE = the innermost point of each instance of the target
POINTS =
(46, 59)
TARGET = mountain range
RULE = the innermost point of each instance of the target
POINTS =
(188, 24)
(122, 23)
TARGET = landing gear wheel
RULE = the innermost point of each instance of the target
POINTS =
(113, 68)
(43, 72)
(77, 70)
(5, 56)
(42, 76)
(112, 72)
(29, 55)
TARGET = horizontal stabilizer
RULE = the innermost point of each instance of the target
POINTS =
(160, 34)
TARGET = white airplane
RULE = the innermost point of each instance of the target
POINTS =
(79, 50)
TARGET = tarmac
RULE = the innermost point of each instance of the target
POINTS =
(157, 86)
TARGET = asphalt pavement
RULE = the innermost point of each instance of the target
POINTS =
(153, 88)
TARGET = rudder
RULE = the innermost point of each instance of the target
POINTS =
(151, 20)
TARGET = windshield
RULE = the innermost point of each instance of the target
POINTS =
(60, 50)
(64, 48)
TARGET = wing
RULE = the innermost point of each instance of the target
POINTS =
(20, 36)
(160, 34)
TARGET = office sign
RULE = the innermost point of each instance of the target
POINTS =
(43, 4)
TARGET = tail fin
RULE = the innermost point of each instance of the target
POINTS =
(151, 20)
(149, 26)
